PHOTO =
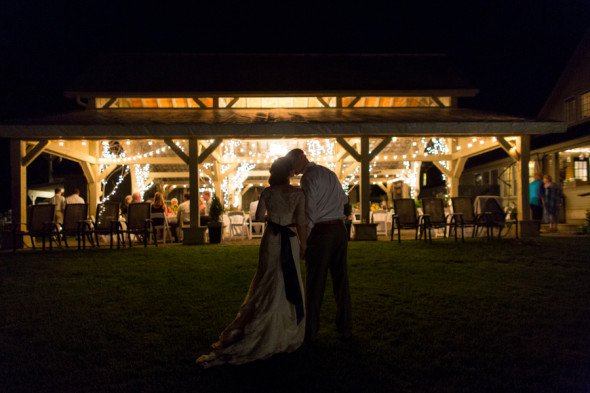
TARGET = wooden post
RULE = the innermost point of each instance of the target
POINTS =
(555, 167)
(364, 183)
(523, 145)
(528, 227)
(18, 188)
(195, 234)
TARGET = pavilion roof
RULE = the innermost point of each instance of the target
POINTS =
(174, 74)
(275, 123)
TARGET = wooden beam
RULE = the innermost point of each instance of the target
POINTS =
(339, 102)
(110, 102)
(364, 179)
(232, 102)
(70, 154)
(438, 102)
(441, 168)
(353, 102)
(200, 103)
(509, 148)
(205, 153)
(323, 102)
(34, 152)
(177, 150)
(349, 148)
(458, 166)
(384, 142)
(90, 171)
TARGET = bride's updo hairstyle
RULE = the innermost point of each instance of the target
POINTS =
(280, 171)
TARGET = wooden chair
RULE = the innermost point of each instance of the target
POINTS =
(40, 223)
(138, 223)
(434, 215)
(464, 216)
(75, 218)
(106, 222)
(406, 217)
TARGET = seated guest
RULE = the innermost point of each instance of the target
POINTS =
(173, 206)
(183, 215)
(204, 207)
(158, 206)
(126, 202)
(136, 197)
(75, 197)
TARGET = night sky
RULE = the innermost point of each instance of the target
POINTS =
(513, 51)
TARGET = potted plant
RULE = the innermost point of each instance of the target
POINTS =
(348, 218)
(215, 225)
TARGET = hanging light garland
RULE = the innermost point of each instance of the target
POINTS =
(122, 175)
(142, 172)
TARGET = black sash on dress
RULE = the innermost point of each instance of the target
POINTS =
(292, 288)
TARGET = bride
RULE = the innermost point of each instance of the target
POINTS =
(271, 318)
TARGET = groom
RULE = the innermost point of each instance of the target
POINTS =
(327, 243)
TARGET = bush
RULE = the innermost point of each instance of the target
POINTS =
(216, 209)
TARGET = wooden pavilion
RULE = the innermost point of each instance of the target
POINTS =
(222, 119)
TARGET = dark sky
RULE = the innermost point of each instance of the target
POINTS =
(513, 51)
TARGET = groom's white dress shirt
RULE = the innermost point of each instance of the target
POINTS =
(324, 196)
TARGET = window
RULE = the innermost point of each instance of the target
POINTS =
(581, 169)
(570, 110)
(585, 104)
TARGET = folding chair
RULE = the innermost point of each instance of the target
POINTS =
(160, 223)
(237, 224)
(255, 228)
(379, 217)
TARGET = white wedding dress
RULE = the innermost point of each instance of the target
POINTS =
(266, 323)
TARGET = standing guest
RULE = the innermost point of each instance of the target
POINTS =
(60, 205)
(158, 206)
(551, 201)
(75, 197)
(183, 215)
(205, 207)
(172, 218)
(536, 191)
(327, 244)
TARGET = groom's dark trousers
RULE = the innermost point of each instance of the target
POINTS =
(327, 249)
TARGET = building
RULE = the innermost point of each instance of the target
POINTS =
(564, 156)
(220, 120)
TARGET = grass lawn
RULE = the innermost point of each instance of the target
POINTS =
(502, 316)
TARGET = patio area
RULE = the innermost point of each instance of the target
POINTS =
(508, 315)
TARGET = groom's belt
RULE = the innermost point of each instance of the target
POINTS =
(330, 222)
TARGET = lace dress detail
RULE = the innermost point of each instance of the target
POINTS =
(266, 323)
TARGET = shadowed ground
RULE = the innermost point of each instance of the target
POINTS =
(505, 316)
